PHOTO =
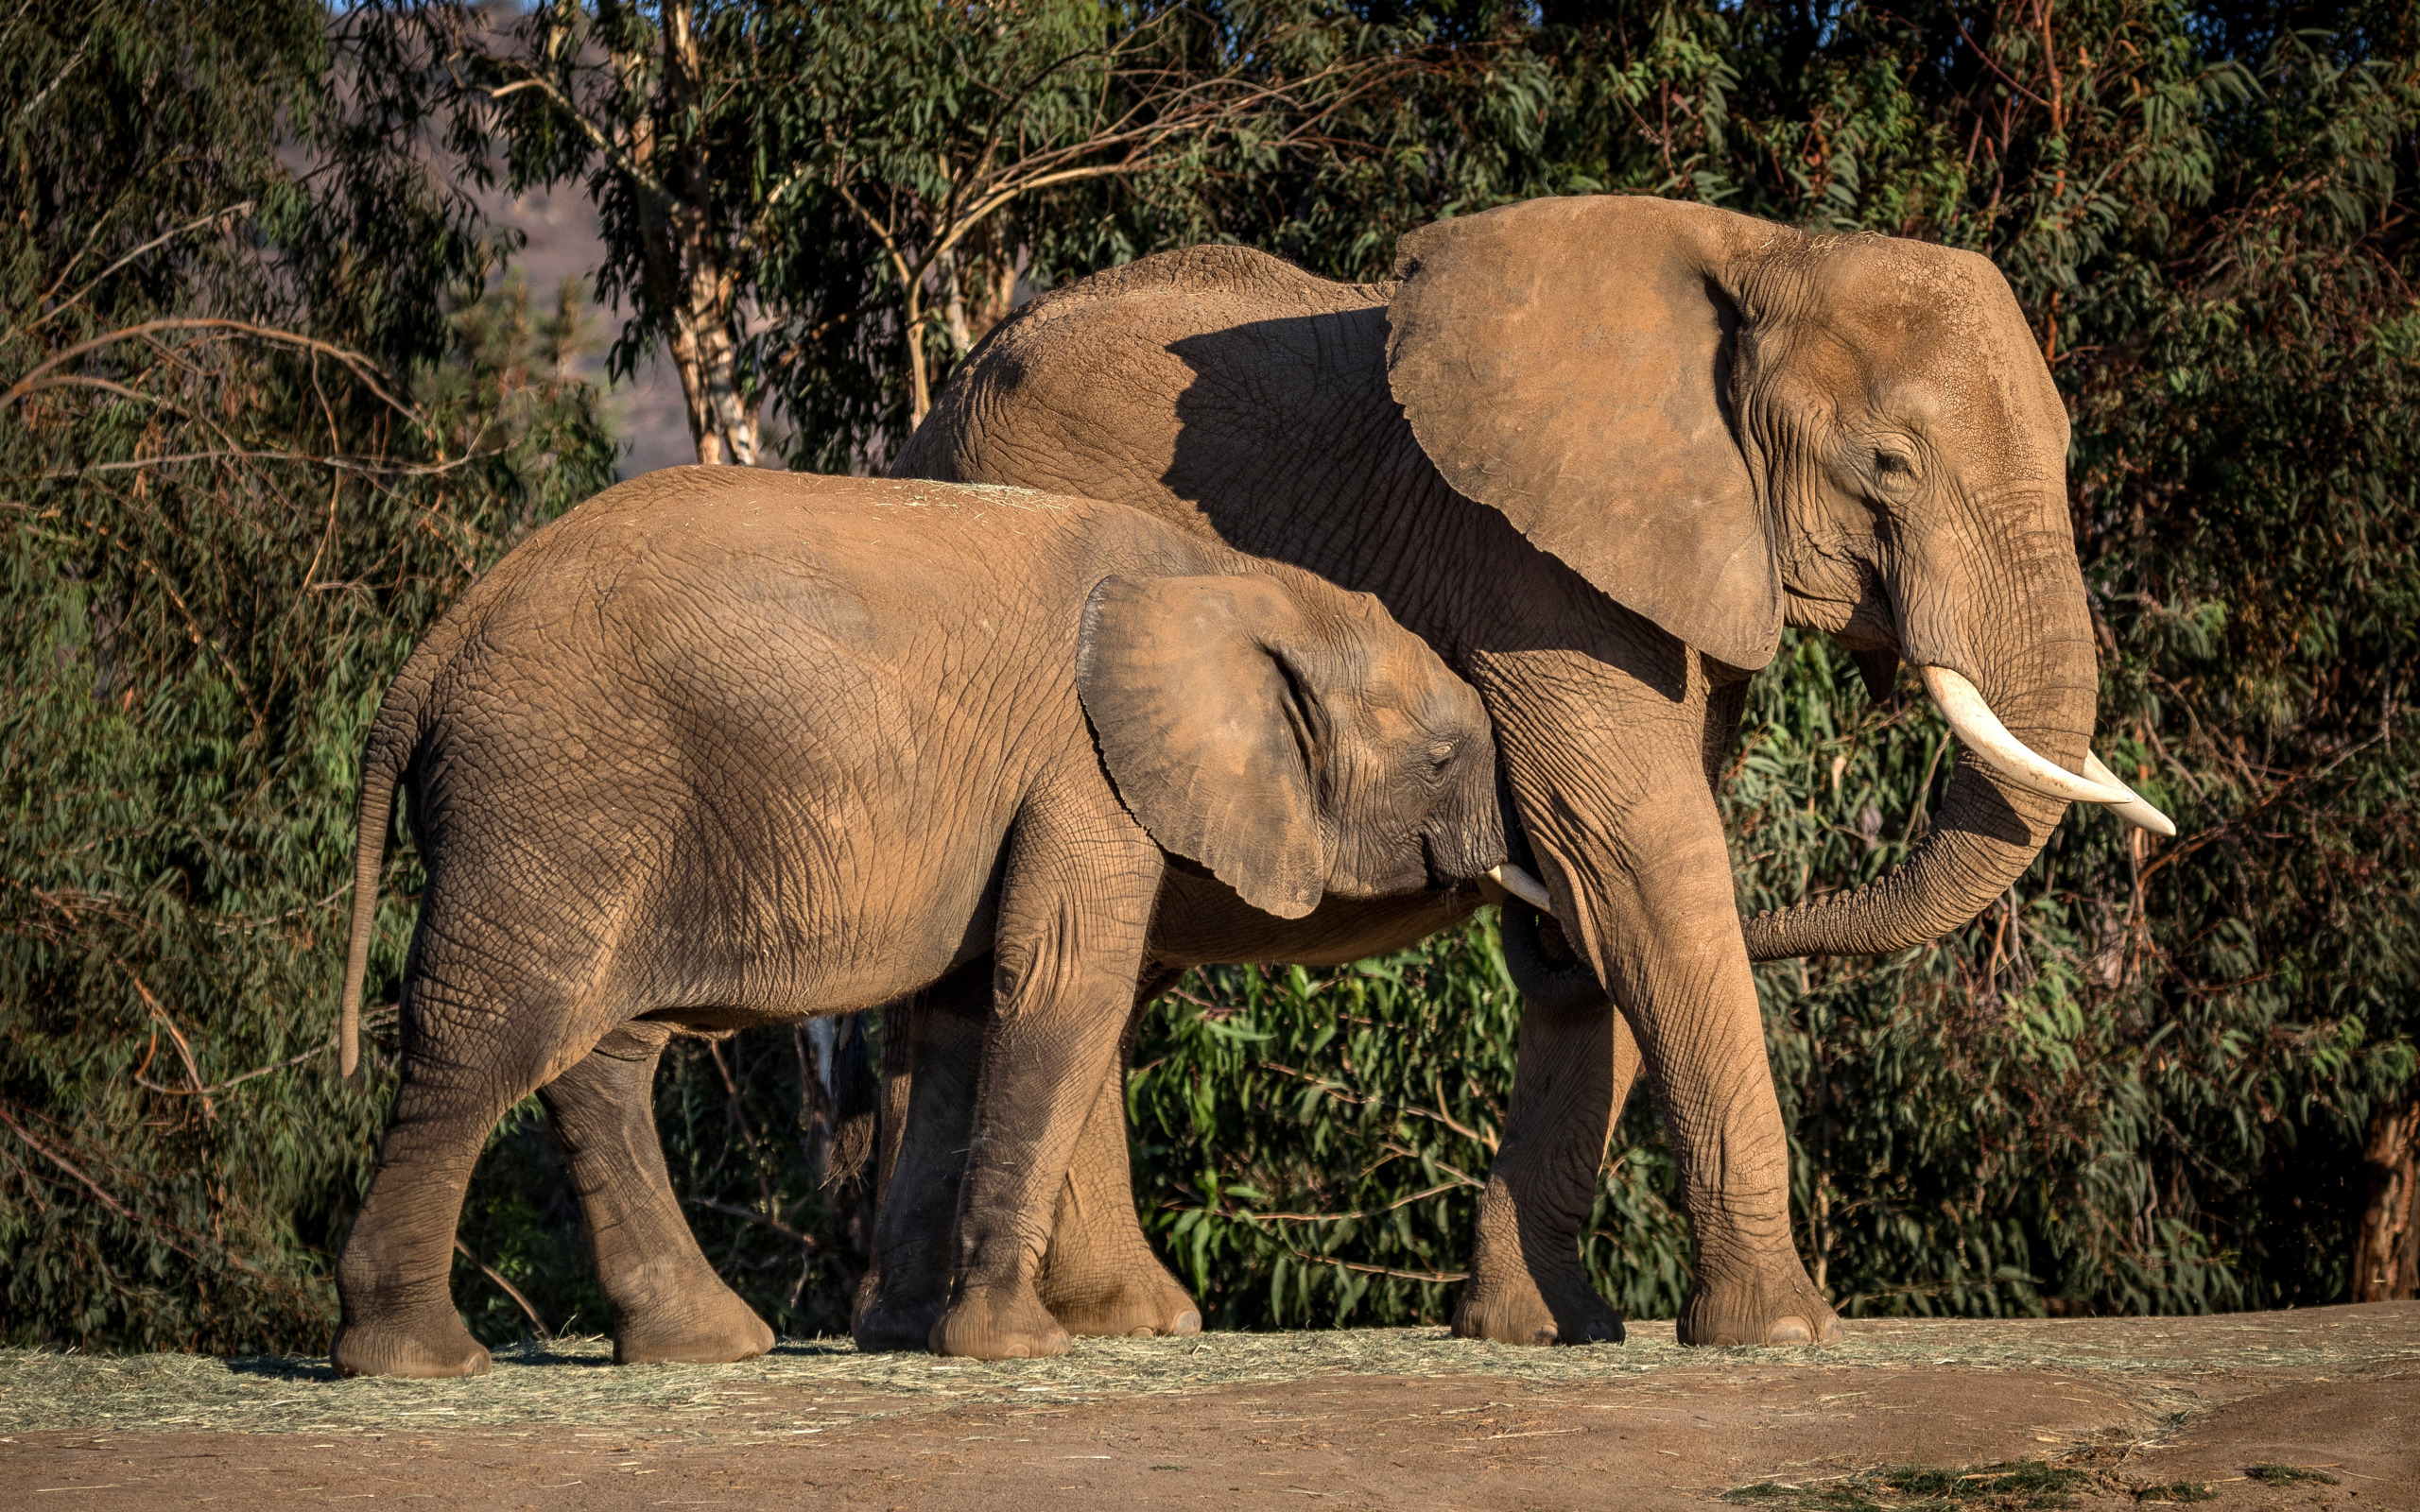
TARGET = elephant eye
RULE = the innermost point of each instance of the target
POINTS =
(1894, 464)
(1440, 755)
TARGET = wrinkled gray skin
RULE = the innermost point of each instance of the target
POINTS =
(1597, 451)
(724, 748)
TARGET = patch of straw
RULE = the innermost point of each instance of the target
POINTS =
(811, 1386)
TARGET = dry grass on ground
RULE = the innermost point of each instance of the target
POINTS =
(807, 1387)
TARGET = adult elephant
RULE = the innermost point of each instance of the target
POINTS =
(1597, 451)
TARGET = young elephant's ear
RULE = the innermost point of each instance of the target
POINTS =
(1206, 730)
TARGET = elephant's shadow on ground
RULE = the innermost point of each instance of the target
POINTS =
(293, 1367)
(317, 1370)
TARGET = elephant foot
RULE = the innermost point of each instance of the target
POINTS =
(725, 1331)
(437, 1350)
(998, 1323)
(1514, 1309)
(1774, 1312)
(1128, 1306)
(889, 1323)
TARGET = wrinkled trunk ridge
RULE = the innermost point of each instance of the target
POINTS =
(2040, 681)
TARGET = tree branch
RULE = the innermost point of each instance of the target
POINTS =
(358, 365)
(624, 164)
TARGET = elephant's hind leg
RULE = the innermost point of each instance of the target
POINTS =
(464, 1064)
(932, 1050)
(669, 1304)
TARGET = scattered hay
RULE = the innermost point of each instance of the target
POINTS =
(799, 1387)
(806, 1387)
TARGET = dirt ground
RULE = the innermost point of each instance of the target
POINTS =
(2317, 1409)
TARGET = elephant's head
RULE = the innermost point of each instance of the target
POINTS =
(1288, 736)
(1728, 426)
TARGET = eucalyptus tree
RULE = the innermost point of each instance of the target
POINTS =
(259, 421)
(819, 207)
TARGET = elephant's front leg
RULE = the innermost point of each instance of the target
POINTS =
(1075, 907)
(1099, 1276)
(1572, 1075)
(669, 1304)
(1605, 756)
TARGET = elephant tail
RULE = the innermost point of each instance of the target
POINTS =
(395, 734)
(382, 768)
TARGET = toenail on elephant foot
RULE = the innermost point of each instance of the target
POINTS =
(1183, 1323)
(1503, 1324)
(1796, 1321)
(1129, 1313)
(439, 1350)
(998, 1324)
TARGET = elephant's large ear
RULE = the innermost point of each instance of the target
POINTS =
(1567, 362)
(1207, 722)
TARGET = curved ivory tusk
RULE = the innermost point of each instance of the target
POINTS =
(2134, 811)
(1517, 881)
(1974, 723)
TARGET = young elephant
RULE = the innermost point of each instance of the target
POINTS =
(724, 747)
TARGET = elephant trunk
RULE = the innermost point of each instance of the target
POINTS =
(2036, 671)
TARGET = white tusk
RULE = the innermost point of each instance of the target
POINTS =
(1973, 721)
(2134, 811)
(1517, 881)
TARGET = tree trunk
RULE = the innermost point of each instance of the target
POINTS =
(684, 271)
(2386, 1258)
(706, 351)
(920, 392)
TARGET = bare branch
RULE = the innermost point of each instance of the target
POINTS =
(505, 1286)
(361, 366)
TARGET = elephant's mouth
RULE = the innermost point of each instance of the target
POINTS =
(1455, 876)
(1441, 878)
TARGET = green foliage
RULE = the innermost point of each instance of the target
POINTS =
(2018, 1486)
(222, 520)
(1310, 1146)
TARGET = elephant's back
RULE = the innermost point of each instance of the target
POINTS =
(1225, 284)
(1091, 389)
(796, 606)
(1218, 389)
